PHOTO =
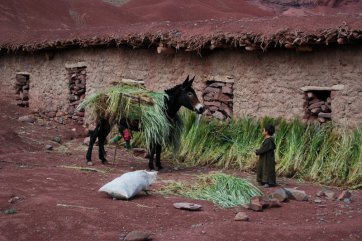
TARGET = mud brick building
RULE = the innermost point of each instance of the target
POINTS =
(268, 58)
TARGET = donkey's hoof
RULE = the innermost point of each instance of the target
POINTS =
(105, 162)
(160, 168)
(89, 163)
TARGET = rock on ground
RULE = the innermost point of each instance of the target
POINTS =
(57, 139)
(49, 147)
(27, 118)
(279, 194)
(296, 194)
(330, 195)
(14, 199)
(345, 194)
(241, 216)
(257, 203)
(274, 203)
(137, 236)
(327, 193)
(188, 206)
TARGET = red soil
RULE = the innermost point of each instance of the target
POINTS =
(36, 176)
(29, 21)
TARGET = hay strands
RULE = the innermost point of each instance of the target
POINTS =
(85, 169)
(134, 103)
(72, 206)
(140, 99)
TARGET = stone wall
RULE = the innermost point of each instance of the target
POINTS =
(218, 99)
(77, 87)
(263, 83)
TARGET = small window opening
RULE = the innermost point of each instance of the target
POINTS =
(77, 90)
(218, 99)
(318, 106)
(22, 89)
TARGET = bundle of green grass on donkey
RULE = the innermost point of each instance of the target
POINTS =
(220, 188)
(135, 103)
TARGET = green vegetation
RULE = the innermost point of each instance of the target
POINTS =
(222, 189)
(136, 104)
(313, 152)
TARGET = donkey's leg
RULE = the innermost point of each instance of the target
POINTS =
(102, 151)
(150, 160)
(92, 140)
(158, 156)
(104, 130)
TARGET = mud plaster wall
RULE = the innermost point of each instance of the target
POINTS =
(264, 83)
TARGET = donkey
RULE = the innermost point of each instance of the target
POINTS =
(180, 95)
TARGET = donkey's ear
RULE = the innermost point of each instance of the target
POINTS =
(191, 81)
(186, 82)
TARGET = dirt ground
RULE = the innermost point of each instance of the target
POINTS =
(62, 203)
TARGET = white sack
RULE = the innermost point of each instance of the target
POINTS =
(129, 184)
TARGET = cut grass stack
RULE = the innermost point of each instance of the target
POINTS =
(135, 104)
(224, 190)
(217, 144)
(313, 152)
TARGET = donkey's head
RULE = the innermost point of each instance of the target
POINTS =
(188, 98)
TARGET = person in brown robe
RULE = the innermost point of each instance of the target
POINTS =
(266, 164)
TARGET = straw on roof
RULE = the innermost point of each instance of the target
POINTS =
(177, 24)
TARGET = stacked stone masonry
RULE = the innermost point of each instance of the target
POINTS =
(77, 89)
(318, 106)
(22, 89)
(218, 99)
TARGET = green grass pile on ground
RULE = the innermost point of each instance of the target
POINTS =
(224, 190)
